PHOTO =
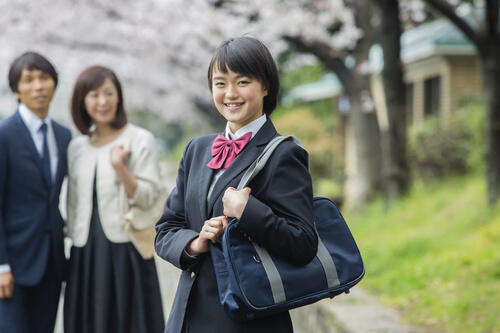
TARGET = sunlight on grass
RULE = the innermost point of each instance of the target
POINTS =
(435, 255)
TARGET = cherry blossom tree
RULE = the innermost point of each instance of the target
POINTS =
(161, 50)
(339, 34)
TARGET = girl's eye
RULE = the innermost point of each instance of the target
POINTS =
(219, 84)
(92, 94)
(243, 82)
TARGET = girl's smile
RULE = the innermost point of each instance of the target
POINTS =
(238, 98)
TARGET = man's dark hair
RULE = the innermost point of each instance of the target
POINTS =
(29, 60)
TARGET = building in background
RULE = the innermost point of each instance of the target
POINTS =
(440, 71)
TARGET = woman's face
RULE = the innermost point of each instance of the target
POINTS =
(101, 103)
(238, 98)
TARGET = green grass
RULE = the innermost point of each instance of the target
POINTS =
(435, 255)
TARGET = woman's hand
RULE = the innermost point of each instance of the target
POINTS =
(210, 232)
(234, 201)
(119, 156)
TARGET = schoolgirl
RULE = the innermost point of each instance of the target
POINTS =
(276, 211)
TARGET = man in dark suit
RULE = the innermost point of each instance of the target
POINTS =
(32, 168)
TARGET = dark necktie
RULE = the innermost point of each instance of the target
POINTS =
(46, 156)
(224, 151)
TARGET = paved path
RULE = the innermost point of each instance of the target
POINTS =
(357, 312)
(363, 313)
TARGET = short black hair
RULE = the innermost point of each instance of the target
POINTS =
(30, 60)
(92, 78)
(250, 57)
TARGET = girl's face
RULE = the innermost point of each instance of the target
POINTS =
(238, 98)
(101, 103)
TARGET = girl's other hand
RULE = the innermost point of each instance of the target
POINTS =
(210, 232)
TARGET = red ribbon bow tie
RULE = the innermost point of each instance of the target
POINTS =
(224, 151)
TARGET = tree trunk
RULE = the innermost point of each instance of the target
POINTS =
(363, 148)
(363, 153)
(393, 128)
(490, 66)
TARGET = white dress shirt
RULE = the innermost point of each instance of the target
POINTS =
(253, 127)
(33, 123)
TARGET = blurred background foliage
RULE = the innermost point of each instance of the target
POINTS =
(316, 124)
(437, 150)
(323, 145)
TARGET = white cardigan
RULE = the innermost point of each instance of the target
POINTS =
(84, 160)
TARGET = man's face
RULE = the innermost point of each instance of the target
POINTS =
(35, 90)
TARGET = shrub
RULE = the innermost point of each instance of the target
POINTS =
(436, 150)
(324, 148)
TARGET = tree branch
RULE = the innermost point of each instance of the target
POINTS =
(326, 54)
(492, 8)
(446, 10)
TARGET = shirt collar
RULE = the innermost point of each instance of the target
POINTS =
(32, 121)
(253, 127)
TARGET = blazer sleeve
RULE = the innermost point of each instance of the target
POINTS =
(3, 191)
(280, 216)
(144, 165)
(172, 231)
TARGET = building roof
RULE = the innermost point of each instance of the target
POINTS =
(328, 86)
(439, 37)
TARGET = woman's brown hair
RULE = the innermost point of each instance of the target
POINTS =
(88, 80)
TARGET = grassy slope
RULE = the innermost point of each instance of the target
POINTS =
(435, 255)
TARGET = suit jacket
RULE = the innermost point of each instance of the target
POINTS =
(278, 216)
(31, 226)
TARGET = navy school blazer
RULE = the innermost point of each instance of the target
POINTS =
(278, 216)
(31, 226)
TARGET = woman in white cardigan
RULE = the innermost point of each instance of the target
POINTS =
(111, 287)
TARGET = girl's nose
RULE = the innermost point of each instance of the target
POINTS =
(231, 91)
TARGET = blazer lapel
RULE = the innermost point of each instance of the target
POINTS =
(204, 178)
(25, 136)
(60, 157)
(243, 160)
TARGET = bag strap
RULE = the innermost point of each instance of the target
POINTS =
(273, 275)
(261, 160)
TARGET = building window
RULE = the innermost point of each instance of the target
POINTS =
(432, 96)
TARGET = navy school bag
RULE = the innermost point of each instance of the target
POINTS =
(252, 283)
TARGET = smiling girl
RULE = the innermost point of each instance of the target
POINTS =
(276, 211)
